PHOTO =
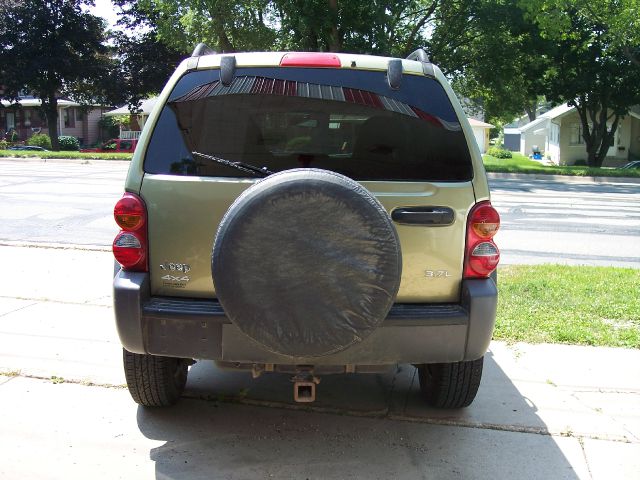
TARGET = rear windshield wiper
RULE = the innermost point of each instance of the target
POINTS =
(245, 167)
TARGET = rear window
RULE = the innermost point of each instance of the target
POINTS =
(347, 121)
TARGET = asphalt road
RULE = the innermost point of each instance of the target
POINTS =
(542, 221)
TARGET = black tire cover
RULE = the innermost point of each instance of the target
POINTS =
(306, 262)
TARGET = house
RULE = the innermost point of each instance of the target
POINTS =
(558, 133)
(136, 121)
(26, 117)
(481, 133)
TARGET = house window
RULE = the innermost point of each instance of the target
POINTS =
(576, 134)
(79, 114)
(554, 134)
(69, 120)
(27, 118)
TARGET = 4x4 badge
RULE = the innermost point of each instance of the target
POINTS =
(172, 278)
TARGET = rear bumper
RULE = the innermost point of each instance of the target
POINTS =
(199, 328)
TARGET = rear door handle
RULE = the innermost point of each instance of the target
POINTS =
(431, 216)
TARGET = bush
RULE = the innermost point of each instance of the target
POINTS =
(68, 143)
(4, 144)
(499, 152)
(580, 163)
(40, 140)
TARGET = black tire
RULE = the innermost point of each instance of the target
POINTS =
(155, 381)
(450, 385)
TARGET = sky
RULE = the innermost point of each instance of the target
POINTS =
(106, 10)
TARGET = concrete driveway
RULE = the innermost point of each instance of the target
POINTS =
(544, 411)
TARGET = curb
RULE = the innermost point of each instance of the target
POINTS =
(561, 178)
(55, 246)
(67, 161)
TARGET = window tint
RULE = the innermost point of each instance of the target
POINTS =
(347, 121)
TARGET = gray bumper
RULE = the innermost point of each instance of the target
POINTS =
(199, 328)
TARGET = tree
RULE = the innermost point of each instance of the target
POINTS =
(51, 48)
(144, 65)
(594, 68)
(493, 54)
(225, 25)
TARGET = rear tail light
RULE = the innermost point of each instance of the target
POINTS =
(130, 245)
(313, 59)
(481, 253)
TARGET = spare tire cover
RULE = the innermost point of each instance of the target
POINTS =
(306, 262)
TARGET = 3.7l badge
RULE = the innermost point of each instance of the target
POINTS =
(437, 273)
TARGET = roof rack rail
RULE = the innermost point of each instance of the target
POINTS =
(202, 49)
(421, 56)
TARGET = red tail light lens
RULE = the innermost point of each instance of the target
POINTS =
(317, 59)
(130, 245)
(482, 254)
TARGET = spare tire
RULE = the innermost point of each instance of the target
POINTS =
(306, 262)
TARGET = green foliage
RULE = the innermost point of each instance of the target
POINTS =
(564, 304)
(499, 152)
(68, 143)
(12, 136)
(3, 144)
(145, 64)
(52, 48)
(40, 140)
(594, 67)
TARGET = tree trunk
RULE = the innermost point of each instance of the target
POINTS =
(531, 113)
(50, 106)
(335, 44)
(218, 20)
(597, 137)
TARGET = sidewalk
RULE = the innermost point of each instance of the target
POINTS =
(543, 411)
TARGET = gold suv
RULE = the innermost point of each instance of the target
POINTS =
(306, 213)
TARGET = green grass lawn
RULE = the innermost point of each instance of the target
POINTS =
(572, 305)
(72, 155)
(521, 164)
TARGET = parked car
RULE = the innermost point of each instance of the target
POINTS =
(115, 145)
(634, 165)
(349, 213)
(30, 148)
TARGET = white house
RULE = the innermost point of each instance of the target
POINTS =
(481, 133)
(136, 121)
(558, 133)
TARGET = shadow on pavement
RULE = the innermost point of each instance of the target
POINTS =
(362, 426)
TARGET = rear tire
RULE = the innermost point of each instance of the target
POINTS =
(450, 385)
(155, 381)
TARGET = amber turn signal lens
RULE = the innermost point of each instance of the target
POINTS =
(486, 230)
(128, 222)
